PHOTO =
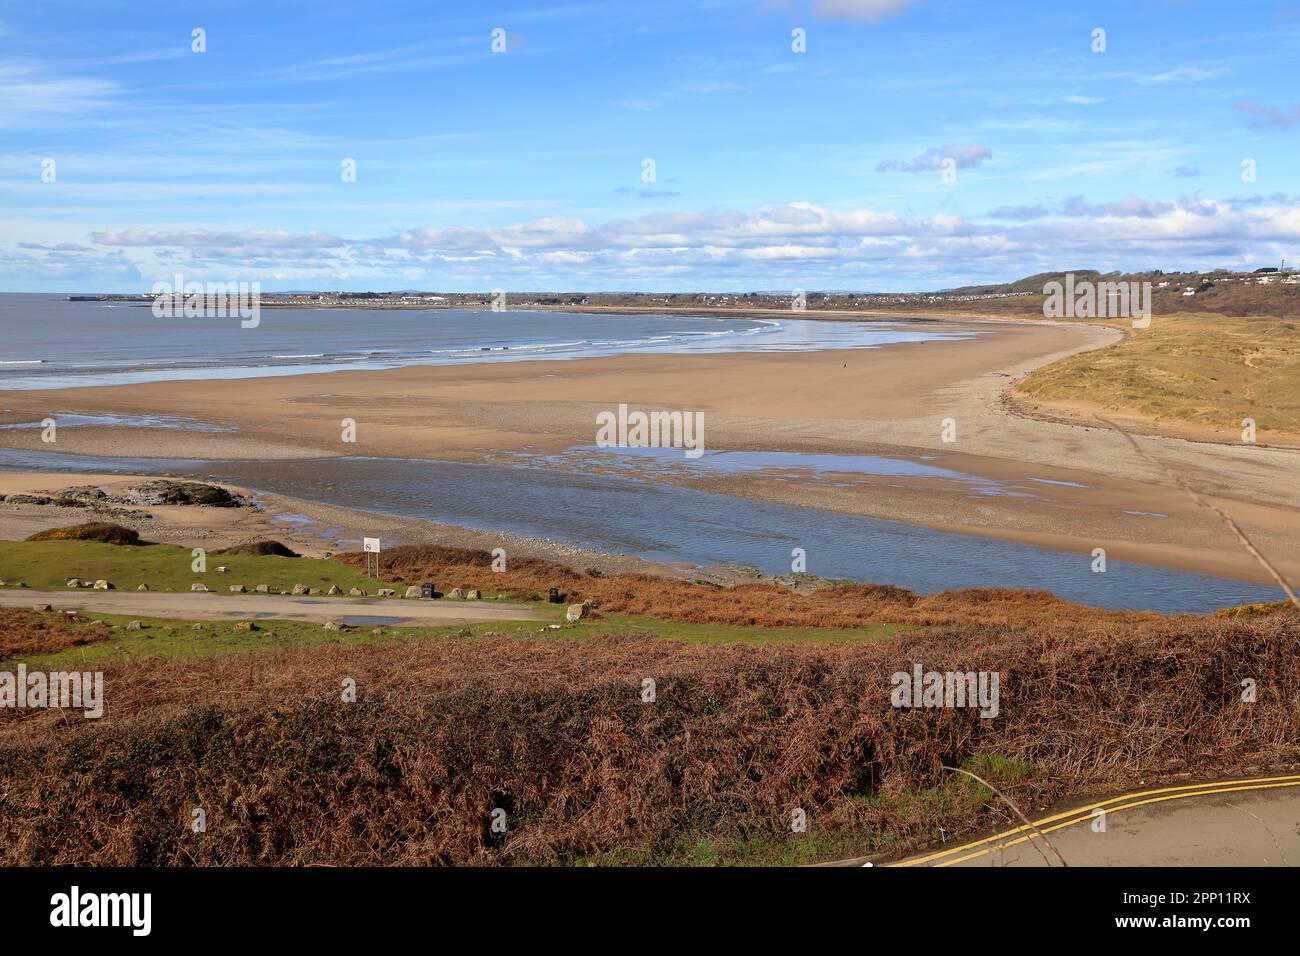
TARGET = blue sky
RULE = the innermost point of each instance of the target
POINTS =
(525, 169)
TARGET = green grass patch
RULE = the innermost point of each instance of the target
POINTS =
(739, 633)
(163, 637)
(47, 565)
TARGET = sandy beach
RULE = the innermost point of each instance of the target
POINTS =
(1070, 486)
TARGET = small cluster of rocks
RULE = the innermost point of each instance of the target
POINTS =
(83, 496)
(165, 492)
(154, 492)
(100, 585)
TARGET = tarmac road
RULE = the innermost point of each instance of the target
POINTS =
(1252, 822)
(199, 606)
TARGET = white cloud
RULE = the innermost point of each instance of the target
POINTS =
(799, 244)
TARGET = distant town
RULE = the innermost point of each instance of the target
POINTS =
(1230, 292)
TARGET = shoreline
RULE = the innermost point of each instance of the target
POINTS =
(887, 401)
(329, 529)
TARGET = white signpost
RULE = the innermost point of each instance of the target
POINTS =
(371, 546)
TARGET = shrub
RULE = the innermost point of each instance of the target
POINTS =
(103, 531)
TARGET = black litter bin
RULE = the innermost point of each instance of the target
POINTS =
(427, 591)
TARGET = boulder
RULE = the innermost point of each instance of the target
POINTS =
(300, 589)
(263, 589)
(576, 612)
(356, 592)
(102, 585)
(166, 492)
(313, 591)
(333, 626)
(85, 496)
(456, 594)
(196, 586)
(222, 569)
(246, 626)
(386, 592)
(42, 607)
(196, 627)
(473, 595)
(28, 500)
(238, 589)
(334, 589)
(72, 583)
(413, 591)
(143, 587)
(134, 626)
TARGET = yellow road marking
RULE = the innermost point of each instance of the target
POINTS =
(1024, 833)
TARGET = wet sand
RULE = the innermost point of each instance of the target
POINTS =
(889, 401)
(312, 529)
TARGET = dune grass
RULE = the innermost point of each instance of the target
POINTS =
(1210, 371)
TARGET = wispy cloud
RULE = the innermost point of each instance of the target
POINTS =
(962, 157)
(1263, 117)
(34, 94)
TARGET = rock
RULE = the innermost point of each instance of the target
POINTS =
(334, 589)
(263, 589)
(102, 585)
(300, 589)
(196, 627)
(196, 586)
(456, 594)
(386, 592)
(28, 500)
(72, 583)
(42, 607)
(23, 584)
(313, 591)
(143, 587)
(413, 591)
(356, 592)
(222, 569)
(333, 626)
(134, 626)
(378, 632)
(238, 589)
(576, 612)
(473, 595)
(246, 626)
(82, 496)
(164, 492)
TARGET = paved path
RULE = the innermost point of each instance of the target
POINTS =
(222, 607)
(1252, 822)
